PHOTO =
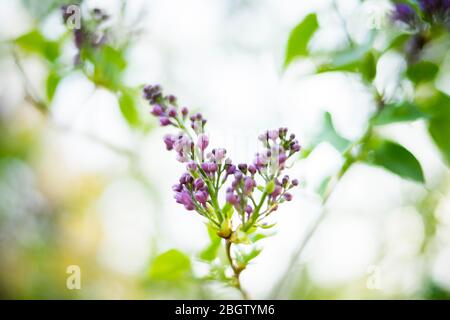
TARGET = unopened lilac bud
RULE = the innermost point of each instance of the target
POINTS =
(171, 98)
(220, 154)
(238, 175)
(295, 147)
(198, 184)
(242, 167)
(231, 198)
(276, 192)
(248, 209)
(282, 158)
(169, 140)
(273, 134)
(164, 121)
(191, 166)
(285, 181)
(201, 196)
(198, 116)
(231, 169)
(252, 169)
(172, 112)
(184, 112)
(294, 182)
(249, 183)
(157, 110)
(177, 187)
(287, 196)
(212, 167)
(202, 141)
(404, 13)
(205, 166)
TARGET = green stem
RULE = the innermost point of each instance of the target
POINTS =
(237, 271)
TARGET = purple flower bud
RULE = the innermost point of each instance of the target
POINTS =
(231, 198)
(285, 181)
(295, 182)
(202, 141)
(169, 140)
(219, 155)
(184, 112)
(198, 116)
(164, 121)
(252, 169)
(242, 167)
(276, 192)
(198, 184)
(231, 169)
(157, 110)
(205, 166)
(288, 196)
(282, 158)
(172, 112)
(238, 175)
(404, 13)
(273, 134)
(212, 167)
(248, 209)
(295, 147)
(177, 187)
(171, 98)
(201, 196)
(249, 184)
(191, 166)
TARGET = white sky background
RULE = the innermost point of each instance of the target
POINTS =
(224, 57)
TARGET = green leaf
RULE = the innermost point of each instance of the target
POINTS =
(210, 252)
(35, 42)
(246, 258)
(129, 107)
(299, 38)
(109, 64)
(398, 112)
(394, 158)
(228, 210)
(170, 266)
(422, 71)
(355, 59)
(368, 67)
(439, 125)
(329, 134)
(51, 84)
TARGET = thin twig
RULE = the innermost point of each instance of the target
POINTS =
(237, 271)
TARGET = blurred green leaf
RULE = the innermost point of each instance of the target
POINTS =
(129, 108)
(368, 67)
(354, 59)
(246, 258)
(329, 134)
(51, 84)
(210, 252)
(394, 158)
(398, 112)
(422, 71)
(439, 128)
(35, 42)
(170, 266)
(297, 45)
(109, 64)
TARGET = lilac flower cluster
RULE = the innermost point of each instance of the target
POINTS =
(434, 11)
(253, 190)
(90, 33)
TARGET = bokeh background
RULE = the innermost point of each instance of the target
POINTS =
(82, 184)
